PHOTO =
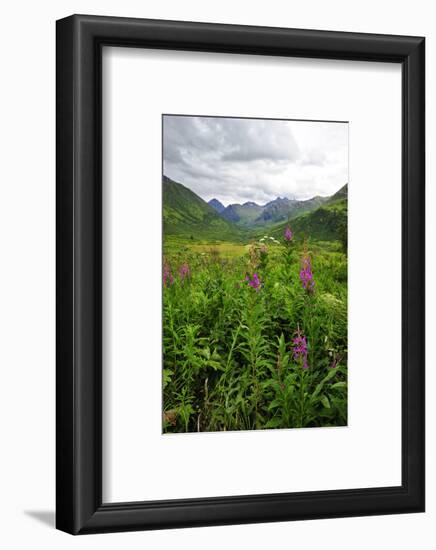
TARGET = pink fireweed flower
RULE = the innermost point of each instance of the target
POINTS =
(288, 234)
(254, 282)
(167, 277)
(299, 349)
(306, 275)
(184, 271)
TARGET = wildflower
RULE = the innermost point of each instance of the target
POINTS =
(254, 282)
(306, 275)
(299, 349)
(167, 277)
(184, 271)
(288, 234)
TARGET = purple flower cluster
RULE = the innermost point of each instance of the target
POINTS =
(299, 349)
(167, 277)
(306, 275)
(184, 271)
(288, 234)
(254, 282)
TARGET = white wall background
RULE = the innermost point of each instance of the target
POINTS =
(27, 272)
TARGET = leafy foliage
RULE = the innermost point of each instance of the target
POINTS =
(231, 325)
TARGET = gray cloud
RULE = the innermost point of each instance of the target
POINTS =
(236, 160)
(314, 157)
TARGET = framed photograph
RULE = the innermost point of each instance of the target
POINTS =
(248, 342)
(240, 274)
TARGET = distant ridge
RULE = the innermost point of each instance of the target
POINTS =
(217, 205)
(250, 214)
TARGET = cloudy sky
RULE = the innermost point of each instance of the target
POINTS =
(237, 160)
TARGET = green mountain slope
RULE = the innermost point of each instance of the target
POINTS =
(242, 214)
(339, 195)
(186, 214)
(285, 209)
(328, 222)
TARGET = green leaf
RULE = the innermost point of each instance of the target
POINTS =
(319, 387)
(274, 404)
(325, 401)
(275, 422)
(167, 376)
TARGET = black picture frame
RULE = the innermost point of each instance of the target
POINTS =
(79, 507)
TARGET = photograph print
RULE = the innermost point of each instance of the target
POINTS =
(254, 274)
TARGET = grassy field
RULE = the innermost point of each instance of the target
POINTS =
(177, 247)
(255, 333)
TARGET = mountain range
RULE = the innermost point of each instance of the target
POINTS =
(188, 215)
(251, 214)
